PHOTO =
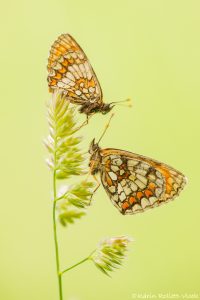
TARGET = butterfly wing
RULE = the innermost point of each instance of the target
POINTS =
(70, 71)
(135, 183)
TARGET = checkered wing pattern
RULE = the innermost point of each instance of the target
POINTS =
(70, 71)
(135, 183)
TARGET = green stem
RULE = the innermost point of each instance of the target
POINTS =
(80, 262)
(61, 197)
(59, 275)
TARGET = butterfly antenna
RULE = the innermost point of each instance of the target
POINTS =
(122, 102)
(105, 129)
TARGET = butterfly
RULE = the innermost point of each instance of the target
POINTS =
(70, 71)
(134, 183)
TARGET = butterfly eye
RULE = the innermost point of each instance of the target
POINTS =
(104, 112)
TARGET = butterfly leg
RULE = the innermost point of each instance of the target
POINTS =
(84, 123)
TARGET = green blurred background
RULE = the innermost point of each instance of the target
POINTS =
(146, 50)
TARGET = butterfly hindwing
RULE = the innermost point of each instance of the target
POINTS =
(135, 183)
(70, 72)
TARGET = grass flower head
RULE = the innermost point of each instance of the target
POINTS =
(110, 253)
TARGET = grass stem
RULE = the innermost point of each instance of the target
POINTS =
(56, 239)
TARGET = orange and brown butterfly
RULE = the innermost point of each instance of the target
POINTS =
(70, 71)
(134, 183)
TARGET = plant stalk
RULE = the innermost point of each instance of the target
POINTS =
(59, 275)
(80, 262)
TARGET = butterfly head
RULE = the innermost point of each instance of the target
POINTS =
(95, 157)
(94, 147)
(106, 108)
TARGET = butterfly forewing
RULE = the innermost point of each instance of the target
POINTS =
(135, 183)
(70, 71)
